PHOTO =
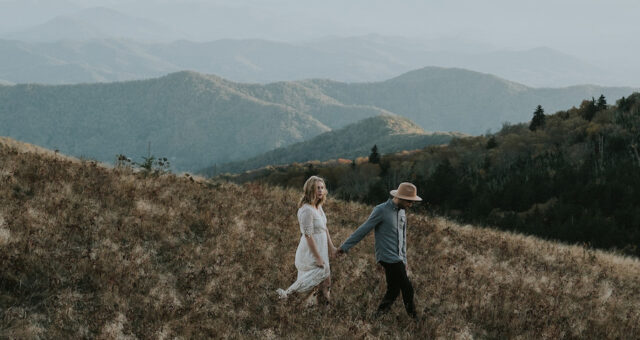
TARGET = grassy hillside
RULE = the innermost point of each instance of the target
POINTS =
(389, 133)
(92, 252)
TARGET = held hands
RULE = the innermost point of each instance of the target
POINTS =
(333, 252)
(339, 252)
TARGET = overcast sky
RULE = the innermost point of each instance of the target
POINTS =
(592, 29)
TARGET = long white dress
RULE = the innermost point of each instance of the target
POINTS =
(312, 222)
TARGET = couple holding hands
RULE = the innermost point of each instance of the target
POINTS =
(389, 222)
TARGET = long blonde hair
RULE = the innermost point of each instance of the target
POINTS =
(309, 191)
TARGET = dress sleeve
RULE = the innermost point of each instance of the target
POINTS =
(306, 221)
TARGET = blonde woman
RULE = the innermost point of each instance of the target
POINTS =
(312, 255)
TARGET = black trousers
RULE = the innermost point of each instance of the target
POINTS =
(397, 281)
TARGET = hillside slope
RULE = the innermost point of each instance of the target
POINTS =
(389, 133)
(88, 252)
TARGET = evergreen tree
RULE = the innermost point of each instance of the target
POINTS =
(374, 157)
(492, 143)
(588, 109)
(602, 103)
(538, 119)
(622, 104)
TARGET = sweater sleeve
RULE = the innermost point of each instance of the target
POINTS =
(374, 219)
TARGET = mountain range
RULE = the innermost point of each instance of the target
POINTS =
(199, 120)
(82, 49)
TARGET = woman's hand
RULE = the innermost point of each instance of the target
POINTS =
(333, 252)
(319, 263)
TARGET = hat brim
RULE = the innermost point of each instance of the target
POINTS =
(416, 198)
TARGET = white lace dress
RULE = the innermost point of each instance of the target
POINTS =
(312, 222)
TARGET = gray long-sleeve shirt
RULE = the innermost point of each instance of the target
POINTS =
(390, 224)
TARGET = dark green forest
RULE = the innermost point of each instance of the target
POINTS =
(572, 176)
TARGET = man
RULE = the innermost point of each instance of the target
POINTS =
(390, 224)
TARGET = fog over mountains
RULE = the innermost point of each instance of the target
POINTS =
(356, 59)
(96, 23)
(551, 44)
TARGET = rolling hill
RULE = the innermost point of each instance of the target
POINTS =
(189, 118)
(438, 98)
(389, 133)
(198, 120)
(91, 252)
(192, 119)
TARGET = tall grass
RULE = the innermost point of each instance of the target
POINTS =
(91, 252)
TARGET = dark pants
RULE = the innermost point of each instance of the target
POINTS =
(397, 281)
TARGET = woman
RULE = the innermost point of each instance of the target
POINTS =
(312, 255)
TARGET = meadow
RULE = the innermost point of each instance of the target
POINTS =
(88, 251)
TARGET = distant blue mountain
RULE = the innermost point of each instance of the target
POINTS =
(79, 59)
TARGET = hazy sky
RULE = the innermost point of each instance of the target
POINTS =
(593, 29)
(518, 23)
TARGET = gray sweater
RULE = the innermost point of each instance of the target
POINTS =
(390, 224)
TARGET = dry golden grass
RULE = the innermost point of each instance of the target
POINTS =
(91, 252)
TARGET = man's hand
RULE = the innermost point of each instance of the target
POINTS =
(340, 252)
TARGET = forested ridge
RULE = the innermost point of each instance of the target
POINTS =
(392, 132)
(571, 176)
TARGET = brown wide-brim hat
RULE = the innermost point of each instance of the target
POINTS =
(406, 191)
